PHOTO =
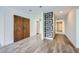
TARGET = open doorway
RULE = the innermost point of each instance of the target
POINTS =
(59, 27)
(38, 27)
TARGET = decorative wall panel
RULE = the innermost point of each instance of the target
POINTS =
(48, 24)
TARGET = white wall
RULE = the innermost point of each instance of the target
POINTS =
(77, 28)
(70, 26)
(1, 27)
(7, 24)
(32, 26)
(41, 26)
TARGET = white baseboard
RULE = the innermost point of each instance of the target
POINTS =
(70, 40)
(48, 38)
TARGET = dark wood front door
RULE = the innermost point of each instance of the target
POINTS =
(21, 28)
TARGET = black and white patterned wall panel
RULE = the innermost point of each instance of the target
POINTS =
(48, 21)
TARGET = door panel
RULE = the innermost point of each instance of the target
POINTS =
(26, 27)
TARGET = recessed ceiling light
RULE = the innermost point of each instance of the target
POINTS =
(61, 12)
(30, 10)
(40, 6)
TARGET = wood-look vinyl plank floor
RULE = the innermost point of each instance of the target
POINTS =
(60, 44)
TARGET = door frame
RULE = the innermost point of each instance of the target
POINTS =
(62, 28)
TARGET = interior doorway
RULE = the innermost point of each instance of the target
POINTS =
(59, 27)
(38, 27)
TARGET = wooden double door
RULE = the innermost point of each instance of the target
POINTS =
(21, 28)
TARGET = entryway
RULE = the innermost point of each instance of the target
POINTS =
(21, 28)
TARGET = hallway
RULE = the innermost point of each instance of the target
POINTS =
(60, 44)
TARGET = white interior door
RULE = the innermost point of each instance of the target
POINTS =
(38, 27)
(59, 27)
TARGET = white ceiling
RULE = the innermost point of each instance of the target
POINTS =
(44, 9)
